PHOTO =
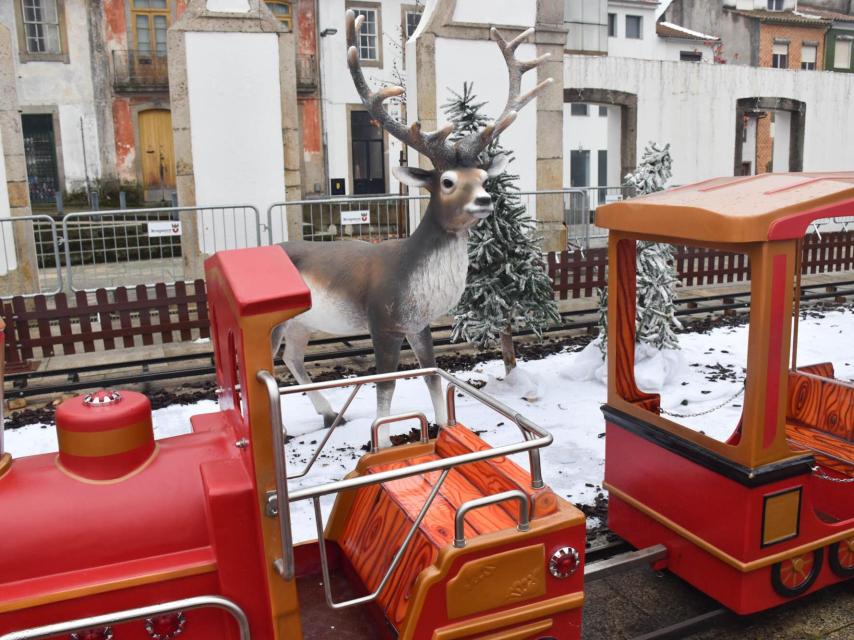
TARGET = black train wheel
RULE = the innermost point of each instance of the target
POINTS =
(793, 576)
(841, 557)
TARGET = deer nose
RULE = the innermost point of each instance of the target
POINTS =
(483, 201)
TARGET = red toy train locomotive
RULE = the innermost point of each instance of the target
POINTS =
(123, 536)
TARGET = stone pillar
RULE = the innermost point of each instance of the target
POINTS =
(15, 200)
(550, 37)
(235, 119)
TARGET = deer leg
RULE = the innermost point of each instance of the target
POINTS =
(296, 340)
(422, 346)
(387, 352)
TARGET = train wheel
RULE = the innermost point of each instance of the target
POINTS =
(841, 558)
(793, 576)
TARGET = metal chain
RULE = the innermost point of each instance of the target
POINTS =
(702, 413)
(821, 475)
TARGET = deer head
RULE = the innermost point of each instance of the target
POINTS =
(457, 196)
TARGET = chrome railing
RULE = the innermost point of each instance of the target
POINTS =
(278, 501)
(485, 501)
(130, 615)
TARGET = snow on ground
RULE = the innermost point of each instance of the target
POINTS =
(707, 373)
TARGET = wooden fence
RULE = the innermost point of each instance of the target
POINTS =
(104, 321)
(138, 316)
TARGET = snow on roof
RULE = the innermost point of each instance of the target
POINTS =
(669, 30)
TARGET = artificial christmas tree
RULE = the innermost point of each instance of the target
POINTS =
(656, 272)
(506, 286)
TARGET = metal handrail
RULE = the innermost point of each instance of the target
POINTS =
(129, 615)
(413, 415)
(327, 582)
(278, 501)
(477, 503)
(335, 424)
(286, 534)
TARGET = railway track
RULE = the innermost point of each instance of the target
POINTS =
(160, 369)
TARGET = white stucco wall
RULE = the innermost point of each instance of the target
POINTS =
(693, 107)
(459, 61)
(236, 126)
(781, 134)
(7, 240)
(339, 94)
(68, 85)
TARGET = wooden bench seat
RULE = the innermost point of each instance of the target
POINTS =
(381, 515)
(820, 417)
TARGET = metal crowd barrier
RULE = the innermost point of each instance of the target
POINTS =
(147, 246)
(370, 218)
(278, 501)
(30, 262)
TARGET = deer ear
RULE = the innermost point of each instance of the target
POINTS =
(413, 176)
(497, 166)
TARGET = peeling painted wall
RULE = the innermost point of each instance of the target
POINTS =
(68, 86)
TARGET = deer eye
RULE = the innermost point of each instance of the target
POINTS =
(448, 181)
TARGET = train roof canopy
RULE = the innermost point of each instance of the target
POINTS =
(769, 206)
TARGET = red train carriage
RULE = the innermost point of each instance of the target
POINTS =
(768, 515)
(122, 536)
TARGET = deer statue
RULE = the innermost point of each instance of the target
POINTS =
(395, 289)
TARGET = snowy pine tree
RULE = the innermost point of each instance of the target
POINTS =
(656, 271)
(506, 285)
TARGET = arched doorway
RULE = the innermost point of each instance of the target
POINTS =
(769, 135)
(157, 153)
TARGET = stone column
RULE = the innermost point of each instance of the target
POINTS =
(24, 278)
(235, 117)
(550, 37)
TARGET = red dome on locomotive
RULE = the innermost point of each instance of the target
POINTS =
(105, 435)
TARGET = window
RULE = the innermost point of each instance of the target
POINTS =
(41, 26)
(282, 10)
(603, 111)
(842, 54)
(775, 5)
(578, 109)
(411, 19)
(808, 57)
(612, 25)
(579, 168)
(368, 41)
(633, 27)
(150, 19)
(690, 56)
(780, 56)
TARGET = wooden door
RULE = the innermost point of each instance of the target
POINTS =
(156, 149)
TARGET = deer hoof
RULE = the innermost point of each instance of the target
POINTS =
(329, 419)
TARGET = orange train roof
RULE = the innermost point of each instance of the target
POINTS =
(769, 206)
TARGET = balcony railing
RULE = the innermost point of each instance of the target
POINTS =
(135, 70)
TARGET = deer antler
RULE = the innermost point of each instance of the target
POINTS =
(434, 145)
(431, 145)
(470, 147)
